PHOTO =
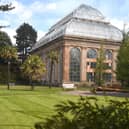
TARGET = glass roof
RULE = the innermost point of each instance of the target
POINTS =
(84, 21)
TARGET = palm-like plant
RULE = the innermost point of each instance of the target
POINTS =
(33, 67)
(53, 57)
(8, 53)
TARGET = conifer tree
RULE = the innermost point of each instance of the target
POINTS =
(26, 37)
(100, 67)
(122, 70)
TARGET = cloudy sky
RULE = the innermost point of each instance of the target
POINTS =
(42, 14)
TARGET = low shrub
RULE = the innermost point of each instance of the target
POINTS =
(112, 89)
(87, 113)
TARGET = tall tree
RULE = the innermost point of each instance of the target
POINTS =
(33, 68)
(100, 67)
(26, 37)
(4, 39)
(8, 53)
(122, 70)
(53, 57)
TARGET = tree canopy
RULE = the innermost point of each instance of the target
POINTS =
(25, 38)
(8, 53)
(122, 70)
(100, 67)
(6, 7)
(33, 68)
(4, 39)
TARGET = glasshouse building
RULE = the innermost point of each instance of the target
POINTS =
(78, 38)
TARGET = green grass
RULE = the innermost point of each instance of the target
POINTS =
(21, 108)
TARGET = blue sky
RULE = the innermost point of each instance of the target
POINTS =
(42, 14)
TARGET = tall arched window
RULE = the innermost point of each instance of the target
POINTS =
(75, 65)
(91, 53)
(108, 54)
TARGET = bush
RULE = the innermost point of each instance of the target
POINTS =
(87, 113)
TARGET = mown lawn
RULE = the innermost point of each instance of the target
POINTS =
(21, 108)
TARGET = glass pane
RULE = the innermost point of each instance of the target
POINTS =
(92, 53)
(75, 65)
(108, 54)
(107, 77)
(90, 76)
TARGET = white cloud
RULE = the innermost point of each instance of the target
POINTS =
(21, 11)
(4, 23)
(40, 34)
(11, 33)
(51, 6)
(120, 23)
(58, 9)
(40, 7)
(66, 6)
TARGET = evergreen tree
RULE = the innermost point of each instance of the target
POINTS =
(25, 39)
(100, 67)
(4, 39)
(122, 70)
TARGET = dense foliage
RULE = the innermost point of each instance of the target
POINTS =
(6, 7)
(87, 113)
(33, 68)
(4, 73)
(4, 39)
(25, 39)
(122, 70)
(100, 67)
(8, 53)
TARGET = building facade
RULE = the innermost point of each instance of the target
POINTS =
(78, 38)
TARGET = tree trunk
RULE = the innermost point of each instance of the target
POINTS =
(31, 84)
(8, 75)
(50, 79)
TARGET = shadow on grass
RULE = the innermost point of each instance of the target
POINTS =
(14, 125)
(16, 88)
(21, 90)
(35, 114)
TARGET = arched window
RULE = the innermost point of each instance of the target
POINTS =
(91, 53)
(75, 65)
(108, 54)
